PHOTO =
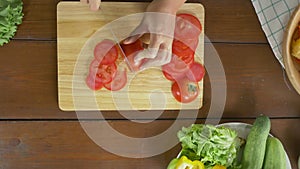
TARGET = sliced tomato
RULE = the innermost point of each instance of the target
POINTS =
(192, 44)
(185, 91)
(168, 76)
(106, 52)
(118, 82)
(187, 27)
(103, 73)
(196, 72)
(131, 50)
(183, 52)
(176, 68)
(92, 83)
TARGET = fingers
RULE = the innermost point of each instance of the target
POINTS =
(163, 57)
(135, 35)
(94, 4)
(131, 39)
(147, 53)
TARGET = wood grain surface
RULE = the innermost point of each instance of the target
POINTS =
(240, 24)
(255, 81)
(63, 144)
(35, 133)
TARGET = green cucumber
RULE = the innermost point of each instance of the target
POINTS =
(254, 152)
(275, 155)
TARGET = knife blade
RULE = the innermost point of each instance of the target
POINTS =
(123, 53)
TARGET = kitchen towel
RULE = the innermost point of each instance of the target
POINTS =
(274, 16)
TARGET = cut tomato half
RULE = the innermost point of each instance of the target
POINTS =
(118, 82)
(106, 52)
(196, 72)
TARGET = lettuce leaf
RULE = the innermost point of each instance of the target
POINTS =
(10, 16)
(210, 145)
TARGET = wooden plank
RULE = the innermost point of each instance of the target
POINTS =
(226, 21)
(80, 30)
(255, 83)
(65, 145)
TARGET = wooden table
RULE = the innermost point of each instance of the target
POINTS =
(36, 134)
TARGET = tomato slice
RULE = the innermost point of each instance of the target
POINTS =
(185, 91)
(92, 83)
(131, 50)
(118, 82)
(187, 27)
(106, 52)
(103, 73)
(183, 52)
(196, 72)
(192, 44)
(168, 76)
(176, 68)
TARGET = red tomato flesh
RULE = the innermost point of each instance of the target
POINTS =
(118, 82)
(183, 52)
(106, 52)
(131, 50)
(168, 76)
(92, 83)
(176, 68)
(103, 73)
(196, 72)
(187, 27)
(185, 91)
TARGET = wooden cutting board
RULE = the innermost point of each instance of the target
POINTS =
(79, 29)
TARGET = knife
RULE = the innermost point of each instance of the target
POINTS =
(123, 53)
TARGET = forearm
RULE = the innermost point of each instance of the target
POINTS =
(166, 6)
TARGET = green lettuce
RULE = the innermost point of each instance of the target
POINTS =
(210, 145)
(10, 16)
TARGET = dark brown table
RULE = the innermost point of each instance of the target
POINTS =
(35, 133)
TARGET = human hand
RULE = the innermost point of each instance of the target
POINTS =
(159, 21)
(94, 4)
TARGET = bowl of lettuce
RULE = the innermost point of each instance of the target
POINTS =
(10, 17)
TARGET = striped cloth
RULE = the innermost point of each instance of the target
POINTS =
(274, 16)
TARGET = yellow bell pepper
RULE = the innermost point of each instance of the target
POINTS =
(185, 163)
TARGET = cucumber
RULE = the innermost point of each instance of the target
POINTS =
(275, 155)
(254, 152)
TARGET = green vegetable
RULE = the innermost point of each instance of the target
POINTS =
(255, 147)
(10, 16)
(275, 155)
(209, 144)
(173, 163)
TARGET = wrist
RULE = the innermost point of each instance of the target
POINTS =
(165, 6)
